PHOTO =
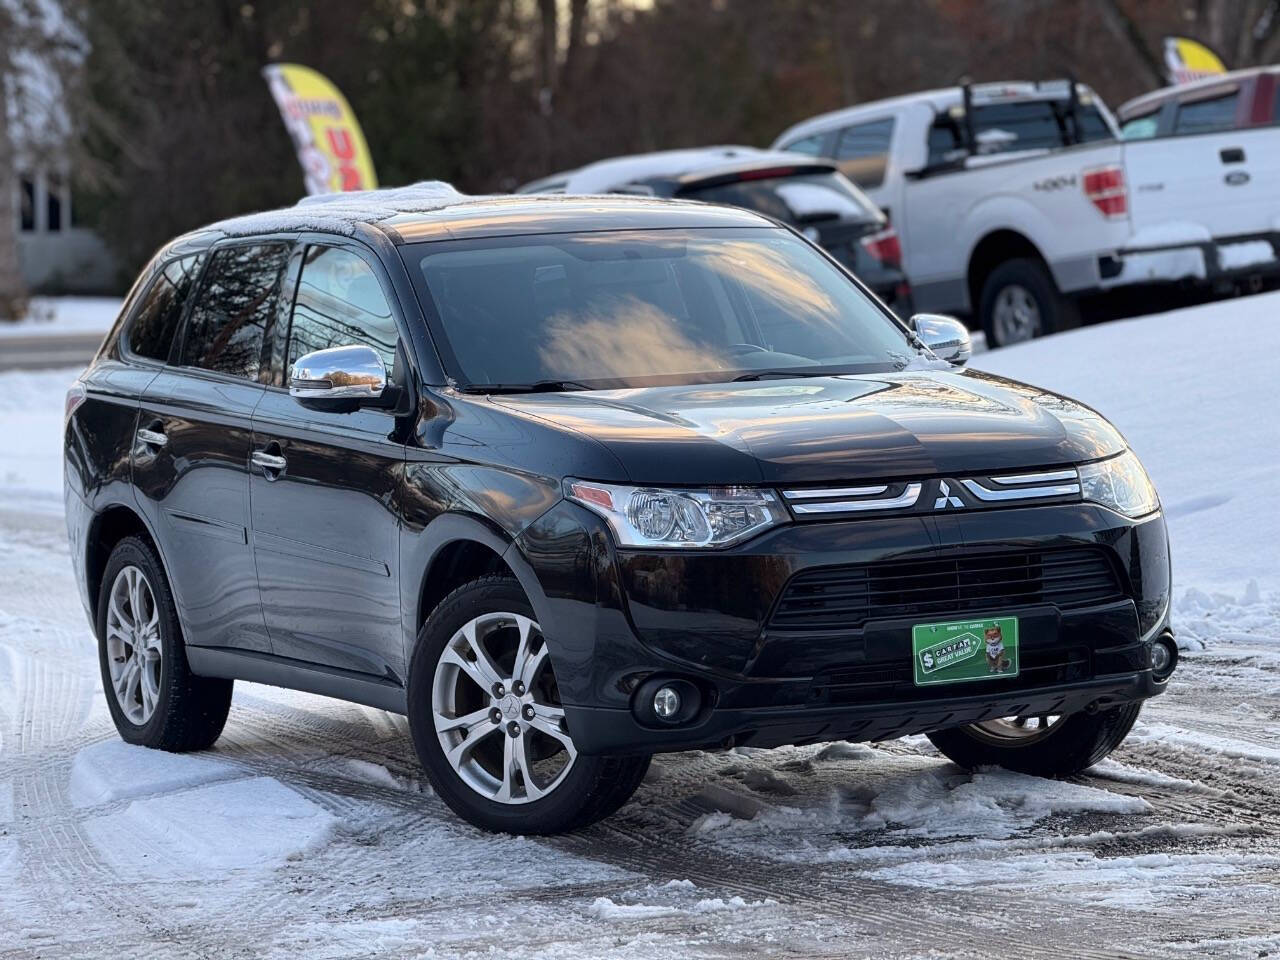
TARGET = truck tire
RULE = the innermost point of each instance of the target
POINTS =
(1020, 302)
(1061, 748)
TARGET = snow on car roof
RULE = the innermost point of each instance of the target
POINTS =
(605, 175)
(340, 212)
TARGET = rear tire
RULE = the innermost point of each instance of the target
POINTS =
(480, 656)
(1020, 302)
(1073, 744)
(154, 698)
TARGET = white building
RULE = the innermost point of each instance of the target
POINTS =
(56, 252)
(58, 255)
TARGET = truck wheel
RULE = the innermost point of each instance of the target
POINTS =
(1021, 302)
(1051, 746)
(488, 725)
(154, 698)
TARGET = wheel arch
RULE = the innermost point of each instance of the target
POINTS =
(109, 526)
(995, 248)
(456, 548)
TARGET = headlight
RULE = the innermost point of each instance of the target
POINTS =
(1121, 484)
(654, 517)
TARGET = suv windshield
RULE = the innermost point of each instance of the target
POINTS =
(642, 308)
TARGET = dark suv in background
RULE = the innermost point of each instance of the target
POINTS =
(571, 481)
(808, 194)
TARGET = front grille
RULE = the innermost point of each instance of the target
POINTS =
(893, 682)
(834, 598)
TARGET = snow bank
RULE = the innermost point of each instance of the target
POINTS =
(1127, 882)
(924, 799)
(670, 899)
(113, 770)
(1192, 392)
(253, 824)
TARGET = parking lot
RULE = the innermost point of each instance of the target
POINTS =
(308, 830)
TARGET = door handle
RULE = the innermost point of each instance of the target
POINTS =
(152, 438)
(1232, 154)
(270, 460)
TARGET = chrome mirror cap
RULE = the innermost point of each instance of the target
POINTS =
(339, 373)
(947, 337)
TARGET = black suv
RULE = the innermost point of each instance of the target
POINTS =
(574, 481)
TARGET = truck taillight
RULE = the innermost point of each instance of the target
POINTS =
(1104, 186)
(885, 247)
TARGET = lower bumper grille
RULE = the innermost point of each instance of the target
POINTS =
(835, 598)
(893, 682)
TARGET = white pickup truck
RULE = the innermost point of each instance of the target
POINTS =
(1012, 200)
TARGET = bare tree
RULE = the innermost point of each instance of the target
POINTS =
(13, 291)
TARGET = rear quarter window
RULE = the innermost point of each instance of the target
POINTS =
(809, 146)
(154, 323)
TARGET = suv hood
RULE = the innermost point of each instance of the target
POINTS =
(822, 429)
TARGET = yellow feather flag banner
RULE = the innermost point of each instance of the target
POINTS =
(1188, 60)
(330, 144)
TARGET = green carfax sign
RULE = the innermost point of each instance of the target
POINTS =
(961, 650)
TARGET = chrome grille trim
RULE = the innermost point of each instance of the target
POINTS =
(1020, 493)
(833, 492)
(907, 498)
(1053, 477)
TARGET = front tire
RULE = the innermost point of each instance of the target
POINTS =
(1020, 302)
(1041, 746)
(154, 698)
(488, 725)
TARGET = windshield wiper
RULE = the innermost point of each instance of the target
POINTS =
(776, 375)
(538, 386)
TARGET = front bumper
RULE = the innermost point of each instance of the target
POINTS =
(618, 618)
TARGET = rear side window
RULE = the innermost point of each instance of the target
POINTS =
(1206, 116)
(152, 328)
(1018, 125)
(236, 305)
(862, 151)
(340, 303)
(809, 146)
(796, 199)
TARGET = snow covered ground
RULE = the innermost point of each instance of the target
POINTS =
(308, 830)
(64, 316)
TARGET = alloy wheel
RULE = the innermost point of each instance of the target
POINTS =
(1017, 731)
(134, 653)
(1016, 315)
(497, 711)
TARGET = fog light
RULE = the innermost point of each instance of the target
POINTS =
(1164, 657)
(667, 703)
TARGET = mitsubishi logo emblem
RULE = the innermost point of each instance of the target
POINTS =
(946, 500)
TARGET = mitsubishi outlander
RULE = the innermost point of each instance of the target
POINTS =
(571, 481)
